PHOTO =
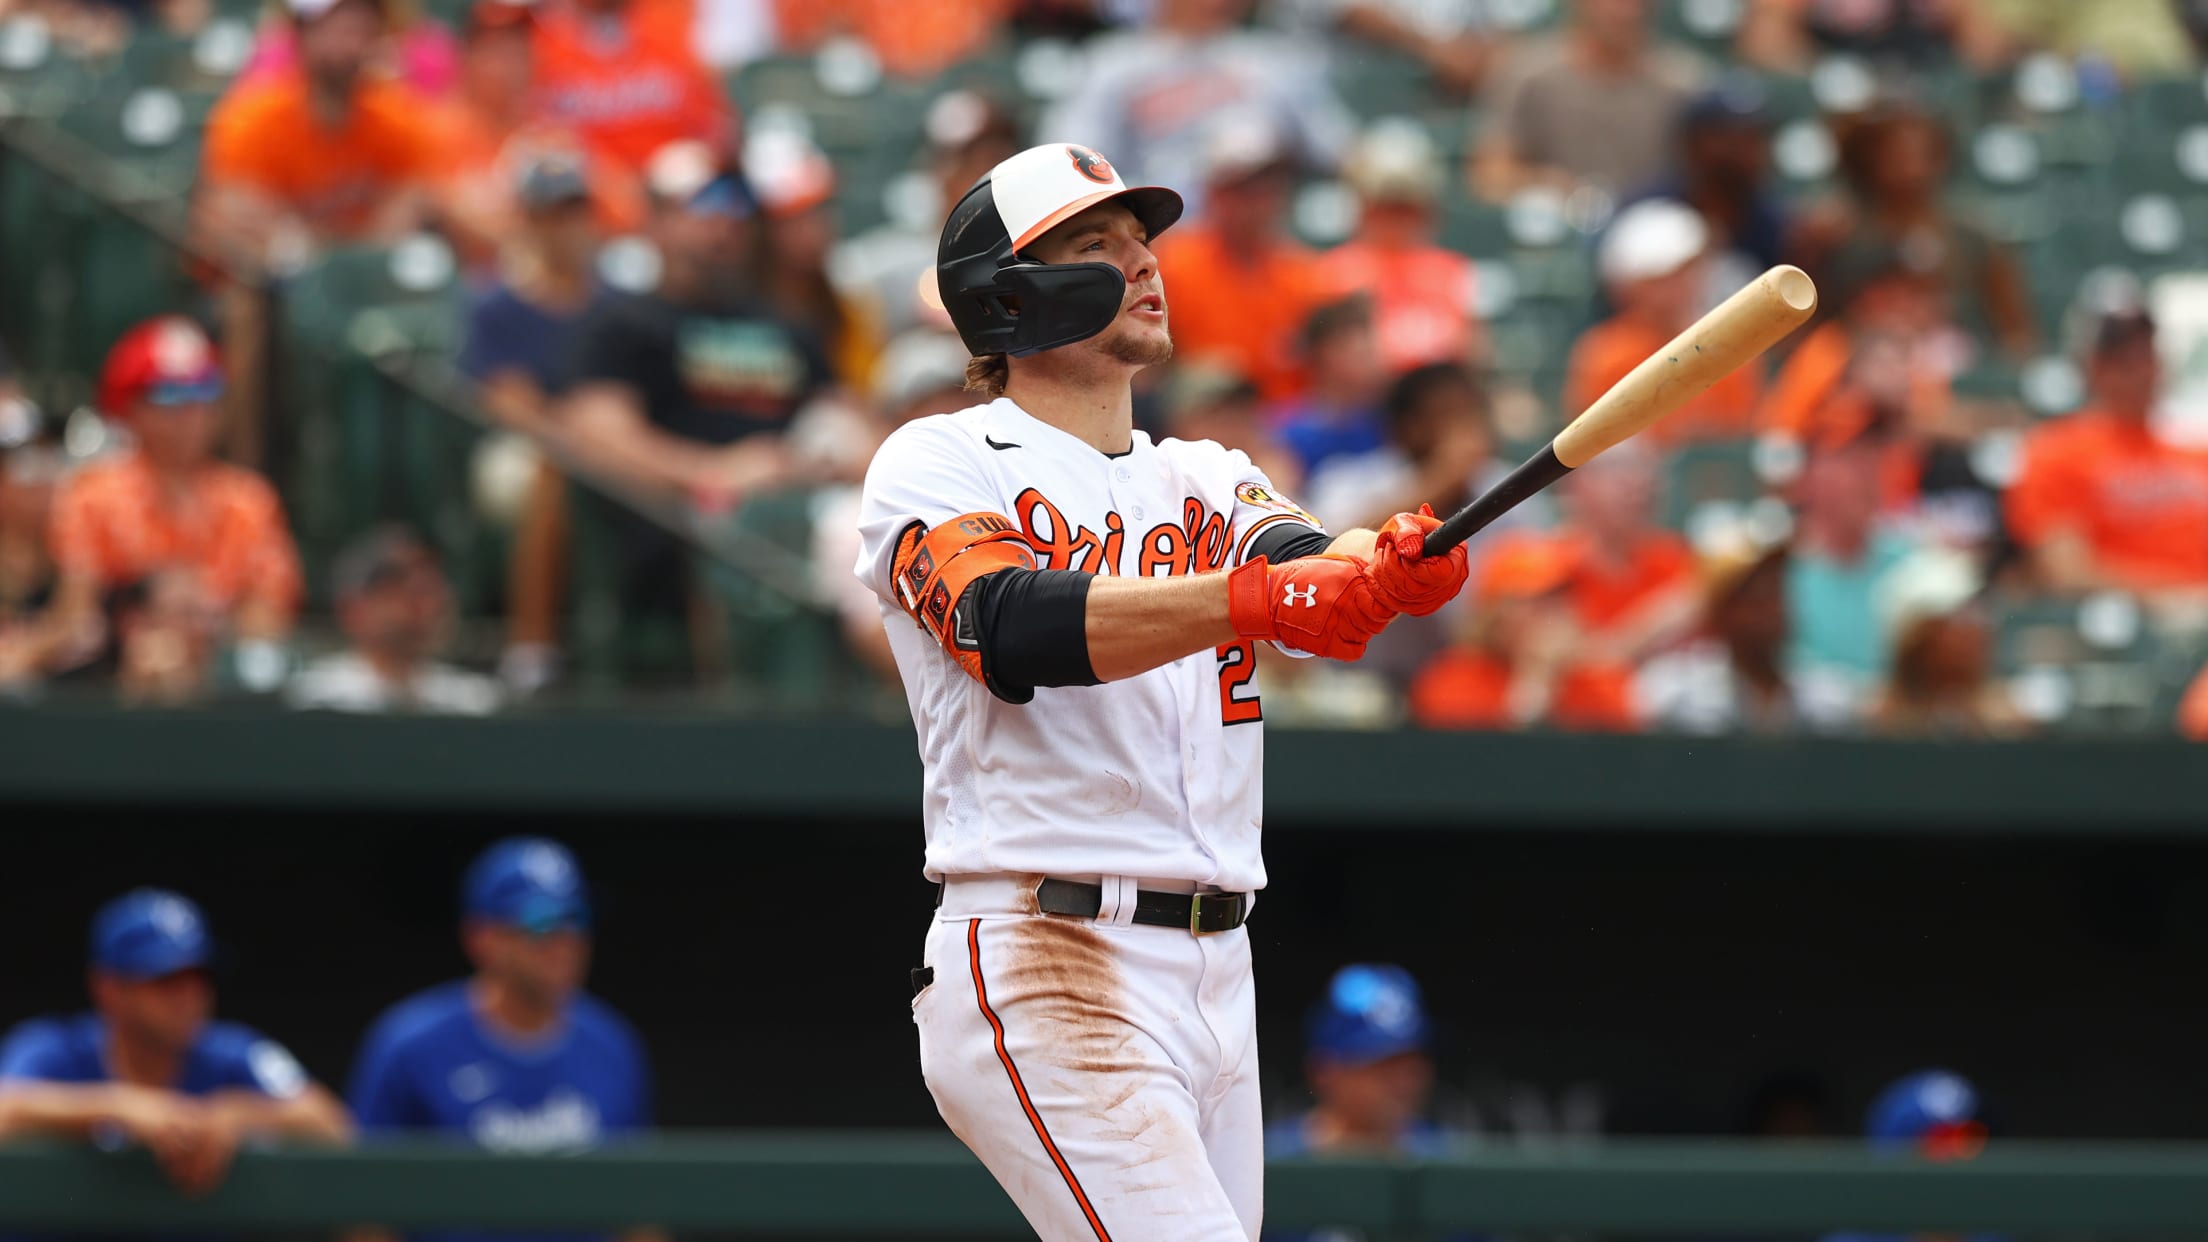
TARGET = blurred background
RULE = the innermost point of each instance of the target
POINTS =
(426, 423)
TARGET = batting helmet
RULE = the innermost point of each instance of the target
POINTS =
(1004, 303)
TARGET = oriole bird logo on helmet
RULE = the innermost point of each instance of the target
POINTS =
(1091, 165)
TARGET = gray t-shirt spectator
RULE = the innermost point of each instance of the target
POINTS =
(1615, 131)
(1148, 97)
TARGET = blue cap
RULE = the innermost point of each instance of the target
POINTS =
(1369, 1013)
(1928, 1105)
(150, 932)
(528, 882)
(725, 195)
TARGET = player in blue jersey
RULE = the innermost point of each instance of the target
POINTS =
(1370, 1076)
(149, 1065)
(1934, 1114)
(516, 1057)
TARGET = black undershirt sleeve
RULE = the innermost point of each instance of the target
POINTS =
(1033, 629)
(1288, 541)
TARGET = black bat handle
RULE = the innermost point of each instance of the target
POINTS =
(1538, 472)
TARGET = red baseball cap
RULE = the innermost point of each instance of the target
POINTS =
(164, 361)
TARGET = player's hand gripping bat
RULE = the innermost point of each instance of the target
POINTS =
(1738, 329)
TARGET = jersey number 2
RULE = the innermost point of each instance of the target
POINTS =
(1237, 699)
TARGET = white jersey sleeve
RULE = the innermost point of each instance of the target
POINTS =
(926, 472)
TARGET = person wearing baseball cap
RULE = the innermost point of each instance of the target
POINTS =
(1028, 643)
(1653, 261)
(687, 388)
(2104, 499)
(166, 516)
(148, 1064)
(1243, 287)
(1365, 1056)
(516, 1057)
(1422, 292)
(1934, 1114)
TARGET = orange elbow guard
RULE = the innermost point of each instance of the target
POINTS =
(933, 568)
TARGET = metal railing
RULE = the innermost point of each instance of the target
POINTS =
(875, 1184)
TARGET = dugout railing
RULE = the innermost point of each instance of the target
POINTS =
(884, 1185)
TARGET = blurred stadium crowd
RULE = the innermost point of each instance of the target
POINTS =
(517, 1057)
(682, 240)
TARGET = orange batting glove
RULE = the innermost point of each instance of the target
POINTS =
(1325, 605)
(1404, 577)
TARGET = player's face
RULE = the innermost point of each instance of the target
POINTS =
(165, 1013)
(1109, 233)
(548, 967)
(1382, 1097)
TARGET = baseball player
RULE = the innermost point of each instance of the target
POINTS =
(1074, 610)
(1935, 1114)
(517, 1058)
(148, 1065)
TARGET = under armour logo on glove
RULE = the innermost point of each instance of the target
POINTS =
(1322, 604)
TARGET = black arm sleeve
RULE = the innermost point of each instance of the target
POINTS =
(1287, 541)
(1033, 629)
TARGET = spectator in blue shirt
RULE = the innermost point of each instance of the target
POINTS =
(515, 1058)
(1338, 413)
(148, 1065)
(521, 330)
(1370, 1076)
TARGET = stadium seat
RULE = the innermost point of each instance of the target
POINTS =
(1713, 471)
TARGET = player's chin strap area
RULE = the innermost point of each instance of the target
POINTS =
(1200, 914)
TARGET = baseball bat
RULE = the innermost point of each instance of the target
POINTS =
(1736, 330)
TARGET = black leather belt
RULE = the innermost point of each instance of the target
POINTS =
(1201, 913)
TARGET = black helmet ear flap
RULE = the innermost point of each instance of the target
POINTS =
(1059, 304)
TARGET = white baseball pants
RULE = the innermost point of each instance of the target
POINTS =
(1105, 1072)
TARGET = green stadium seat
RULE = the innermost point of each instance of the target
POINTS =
(1708, 472)
(1374, 82)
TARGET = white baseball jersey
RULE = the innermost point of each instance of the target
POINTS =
(1157, 775)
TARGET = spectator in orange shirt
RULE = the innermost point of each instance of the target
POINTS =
(625, 78)
(1518, 665)
(497, 69)
(1421, 292)
(200, 547)
(1883, 366)
(1654, 260)
(2192, 711)
(1242, 288)
(1633, 583)
(321, 154)
(420, 52)
(490, 134)
(912, 40)
(2103, 502)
